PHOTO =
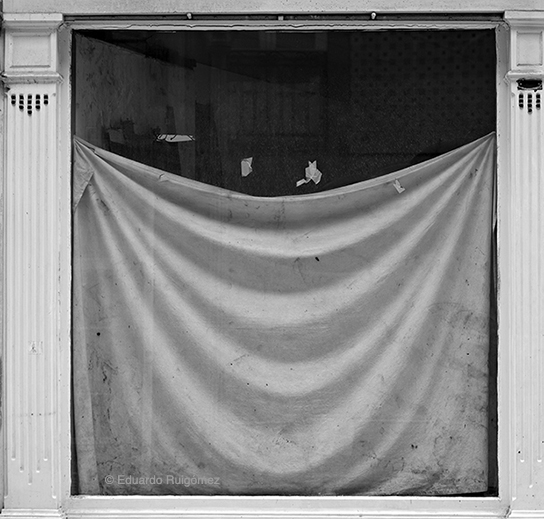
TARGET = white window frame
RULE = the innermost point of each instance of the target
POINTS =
(37, 265)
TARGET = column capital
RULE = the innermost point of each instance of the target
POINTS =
(526, 45)
(31, 48)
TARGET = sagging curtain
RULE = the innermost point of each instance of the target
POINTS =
(327, 344)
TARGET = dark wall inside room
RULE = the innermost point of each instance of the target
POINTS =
(123, 99)
(360, 103)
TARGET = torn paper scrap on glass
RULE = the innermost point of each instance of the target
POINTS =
(245, 165)
(312, 173)
(172, 137)
(397, 186)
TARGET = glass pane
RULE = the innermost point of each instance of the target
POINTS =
(361, 104)
(232, 338)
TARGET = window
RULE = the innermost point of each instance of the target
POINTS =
(250, 112)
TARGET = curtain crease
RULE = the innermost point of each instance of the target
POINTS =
(327, 344)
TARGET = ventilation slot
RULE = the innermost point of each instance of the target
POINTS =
(529, 88)
(29, 102)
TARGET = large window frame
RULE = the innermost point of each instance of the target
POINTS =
(37, 433)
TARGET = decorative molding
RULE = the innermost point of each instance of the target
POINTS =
(32, 207)
(165, 7)
(26, 513)
(37, 353)
(529, 101)
(10, 79)
(119, 513)
(31, 251)
(526, 44)
(284, 507)
(527, 514)
(31, 48)
(525, 275)
(29, 102)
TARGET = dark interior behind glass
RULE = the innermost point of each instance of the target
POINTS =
(360, 103)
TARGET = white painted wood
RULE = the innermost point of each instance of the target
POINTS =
(37, 275)
(31, 48)
(63, 228)
(2, 350)
(109, 7)
(33, 205)
(527, 44)
(522, 277)
(285, 507)
(255, 25)
(504, 303)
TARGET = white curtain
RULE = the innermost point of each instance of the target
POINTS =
(326, 344)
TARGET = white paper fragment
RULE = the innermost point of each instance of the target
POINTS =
(312, 173)
(173, 137)
(398, 187)
(245, 165)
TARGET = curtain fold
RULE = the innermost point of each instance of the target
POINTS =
(327, 344)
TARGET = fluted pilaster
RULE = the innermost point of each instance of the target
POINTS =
(35, 442)
(523, 283)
